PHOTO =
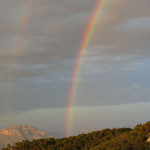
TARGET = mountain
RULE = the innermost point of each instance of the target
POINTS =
(106, 139)
(18, 133)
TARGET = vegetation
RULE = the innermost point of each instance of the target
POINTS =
(107, 139)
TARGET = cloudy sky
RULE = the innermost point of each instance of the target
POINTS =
(39, 42)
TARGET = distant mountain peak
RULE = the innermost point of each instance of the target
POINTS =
(21, 132)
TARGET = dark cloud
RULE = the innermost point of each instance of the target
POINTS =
(39, 45)
(54, 30)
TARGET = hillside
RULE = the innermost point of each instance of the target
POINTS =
(18, 133)
(107, 139)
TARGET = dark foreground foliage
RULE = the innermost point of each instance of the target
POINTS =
(107, 139)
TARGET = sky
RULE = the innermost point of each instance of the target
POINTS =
(39, 43)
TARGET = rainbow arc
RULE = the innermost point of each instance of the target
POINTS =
(84, 44)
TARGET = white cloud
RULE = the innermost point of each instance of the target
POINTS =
(136, 24)
(134, 66)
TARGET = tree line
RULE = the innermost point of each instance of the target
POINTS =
(107, 139)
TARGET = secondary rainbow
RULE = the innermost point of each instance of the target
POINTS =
(18, 47)
(24, 21)
(84, 44)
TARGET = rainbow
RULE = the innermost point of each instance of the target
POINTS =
(24, 21)
(19, 46)
(84, 44)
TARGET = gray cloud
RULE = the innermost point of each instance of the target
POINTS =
(39, 46)
(123, 29)
(55, 29)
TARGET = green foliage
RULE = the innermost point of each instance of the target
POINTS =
(107, 139)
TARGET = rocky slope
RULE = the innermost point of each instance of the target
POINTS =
(18, 133)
